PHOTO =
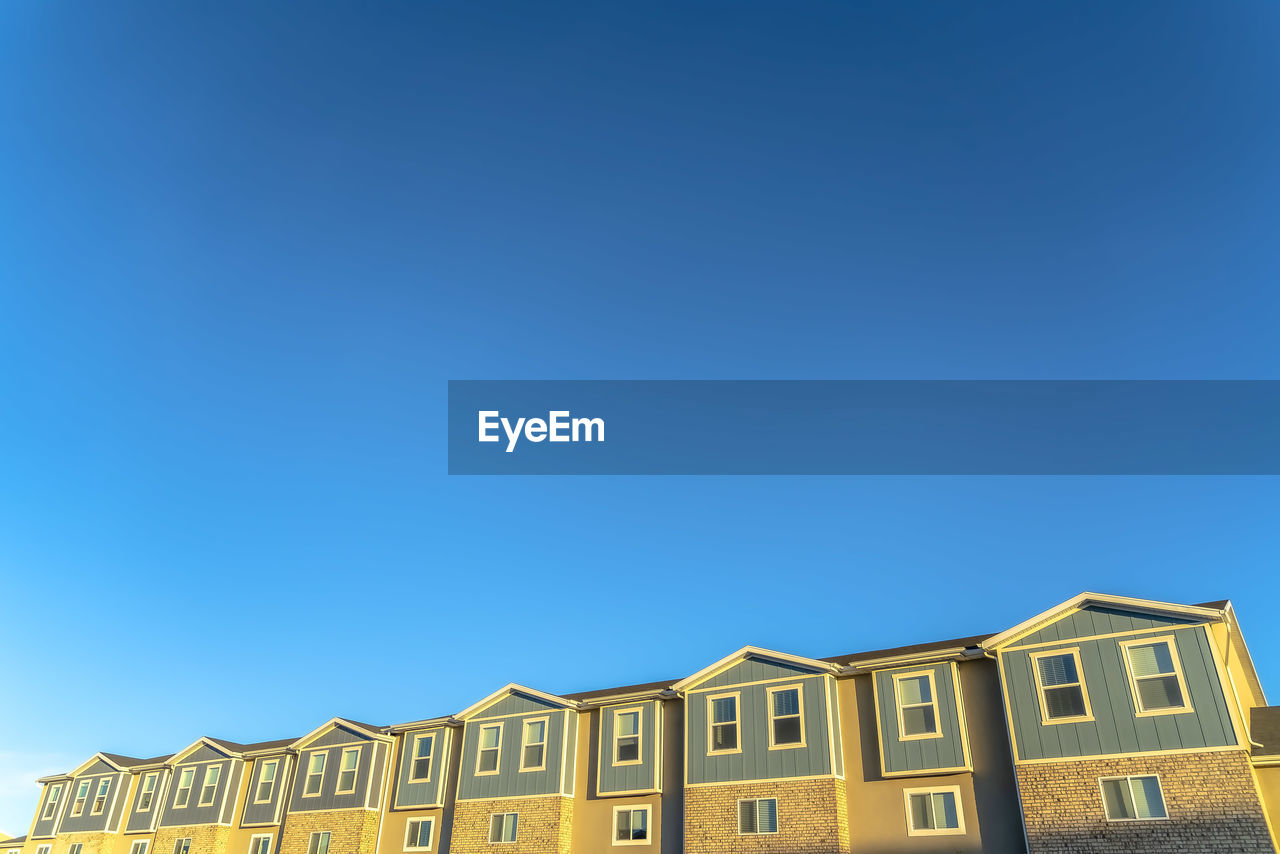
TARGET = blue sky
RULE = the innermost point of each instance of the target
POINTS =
(242, 250)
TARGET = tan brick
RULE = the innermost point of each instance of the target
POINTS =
(812, 818)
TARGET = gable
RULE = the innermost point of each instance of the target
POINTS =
(756, 668)
(517, 703)
(1094, 620)
(338, 734)
(203, 753)
(98, 767)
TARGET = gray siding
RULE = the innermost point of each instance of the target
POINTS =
(1116, 727)
(510, 781)
(265, 813)
(373, 800)
(232, 788)
(629, 778)
(338, 735)
(86, 821)
(427, 793)
(1096, 620)
(140, 821)
(518, 704)
(756, 761)
(925, 754)
(192, 813)
(44, 827)
(755, 670)
(329, 799)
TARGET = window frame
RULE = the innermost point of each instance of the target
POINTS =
(323, 755)
(100, 797)
(184, 792)
(315, 837)
(711, 724)
(954, 791)
(253, 840)
(777, 820)
(354, 770)
(929, 674)
(431, 835)
(216, 770)
(545, 720)
(152, 777)
(1074, 652)
(639, 736)
(182, 845)
(804, 731)
(46, 848)
(414, 758)
(647, 809)
(1129, 778)
(1139, 711)
(51, 803)
(515, 832)
(75, 848)
(500, 726)
(78, 805)
(274, 765)
(145, 843)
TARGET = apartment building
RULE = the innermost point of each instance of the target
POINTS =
(1104, 724)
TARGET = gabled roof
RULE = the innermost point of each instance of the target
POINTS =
(512, 688)
(914, 650)
(228, 748)
(14, 841)
(117, 762)
(746, 652)
(370, 730)
(624, 691)
(1127, 603)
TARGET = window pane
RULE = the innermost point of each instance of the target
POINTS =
(787, 731)
(489, 737)
(1151, 659)
(921, 812)
(639, 824)
(767, 815)
(944, 810)
(1160, 692)
(724, 737)
(533, 756)
(489, 760)
(628, 749)
(786, 702)
(1147, 802)
(628, 723)
(1115, 794)
(623, 830)
(1058, 670)
(509, 828)
(495, 828)
(1064, 702)
(423, 748)
(724, 709)
(535, 731)
(914, 690)
(746, 816)
(919, 721)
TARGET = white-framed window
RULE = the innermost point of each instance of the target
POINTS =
(315, 775)
(1155, 676)
(44, 849)
(420, 765)
(183, 794)
(182, 846)
(209, 788)
(100, 799)
(75, 847)
(347, 768)
(1060, 685)
(533, 745)
(1137, 798)
(418, 834)
(722, 723)
(51, 803)
(139, 847)
(147, 794)
(916, 697)
(318, 843)
(757, 815)
(260, 843)
(934, 811)
(266, 788)
(631, 825)
(489, 753)
(786, 716)
(82, 795)
(503, 826)
(627, 736)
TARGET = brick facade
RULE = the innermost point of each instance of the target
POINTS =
(204, 838)
(813, 818)
(1210, 798)
(545, 826)
(350, 831)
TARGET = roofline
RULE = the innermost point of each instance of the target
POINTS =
(425, 723)
(1127, 602)
(175, 759)
(298, 743)
(511, 687)
(730, 659)
(955, 653)
(627, 697)
(53, 778)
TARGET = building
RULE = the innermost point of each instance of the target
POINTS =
(1104, 724)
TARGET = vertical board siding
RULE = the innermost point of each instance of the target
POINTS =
(427, 792)
(570, 763)
(517, 704)
(755, 670)
(924, 754)
(1097, 620)
(191, 813)
(379, 764)
(119, 794)
(756, 761)
(232, 787)
(338, 735)
(265, 813)
(629, 778)
(1116, 728)
(510, 781)
(329, 799)
(42, 826)
(85, 821)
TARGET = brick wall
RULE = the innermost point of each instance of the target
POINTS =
(1210, 798)
(350, 831)
(813, 818)
(545, 826)
(205, 838)
(94, 842)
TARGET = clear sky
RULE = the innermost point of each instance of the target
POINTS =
(242, 250)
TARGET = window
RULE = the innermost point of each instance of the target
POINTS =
(420, 766)
(260, 843)
(502, 826)
(51, 803)
(533, 747)
(210, 788)
(44, 849)
(722, 723)
(347, 770)
(631, 825)
(626, 737)
(185, 780)
(934, 812)
(100, 799)
(917, 702)
(315, 775)
(147, 794)
(1062, 695)
(490, 752)
(75, 847)
(267, 781)
(417, 836)
(139, 847)
(1156, 677)
(182, 846)
(758, 816)
(1133, 798)
(319, 842)
(786, 717)
(82, 795)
